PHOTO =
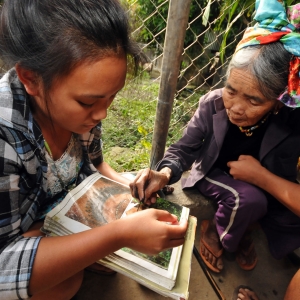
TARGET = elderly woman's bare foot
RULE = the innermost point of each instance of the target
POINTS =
(246, 255)
(244, 293)
(210, 246)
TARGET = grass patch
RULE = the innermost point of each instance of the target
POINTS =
(128, 128)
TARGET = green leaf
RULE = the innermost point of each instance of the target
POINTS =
(206, 13)
(232, 8)
(146, 144)
(142, 130)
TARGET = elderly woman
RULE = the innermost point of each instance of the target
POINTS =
(243, 118)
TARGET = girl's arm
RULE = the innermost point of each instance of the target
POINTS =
(49, 261)
(59, 258)
(106, 170)
(250, 170)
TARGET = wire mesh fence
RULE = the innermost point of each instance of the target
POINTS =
(214, 28)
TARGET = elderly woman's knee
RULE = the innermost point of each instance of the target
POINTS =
(252, 198)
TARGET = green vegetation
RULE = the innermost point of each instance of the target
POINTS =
(234, 17)
(171, 207)
(130, 122)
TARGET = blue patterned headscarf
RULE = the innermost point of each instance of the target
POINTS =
(276, 22)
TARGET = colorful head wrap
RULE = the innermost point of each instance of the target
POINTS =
(275, 23)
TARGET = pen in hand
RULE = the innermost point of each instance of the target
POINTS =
(142, 200)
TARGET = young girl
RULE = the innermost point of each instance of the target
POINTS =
(67, 61)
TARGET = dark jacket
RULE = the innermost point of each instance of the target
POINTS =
(203, 138)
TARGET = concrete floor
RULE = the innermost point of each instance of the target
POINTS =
(269, 279)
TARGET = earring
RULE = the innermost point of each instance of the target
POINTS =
(277, 108)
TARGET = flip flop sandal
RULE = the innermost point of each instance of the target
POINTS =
(240, 252)
(204, 225)
(236, 291)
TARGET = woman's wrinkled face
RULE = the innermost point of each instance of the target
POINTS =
(245, 104)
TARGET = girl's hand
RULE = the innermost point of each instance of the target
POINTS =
(147, 182)
(148, 231)
(246, 168)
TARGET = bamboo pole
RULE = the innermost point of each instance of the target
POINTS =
(175, 33)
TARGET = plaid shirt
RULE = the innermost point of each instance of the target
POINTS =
(23, 168)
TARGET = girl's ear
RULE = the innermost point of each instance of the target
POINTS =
(30, 81)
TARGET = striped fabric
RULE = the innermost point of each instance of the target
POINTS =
(23, 169)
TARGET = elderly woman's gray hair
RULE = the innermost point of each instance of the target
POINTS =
(269, 64)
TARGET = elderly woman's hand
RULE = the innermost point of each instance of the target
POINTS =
(147, 182)
(246, 168)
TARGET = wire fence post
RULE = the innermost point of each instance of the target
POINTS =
(173, 48)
